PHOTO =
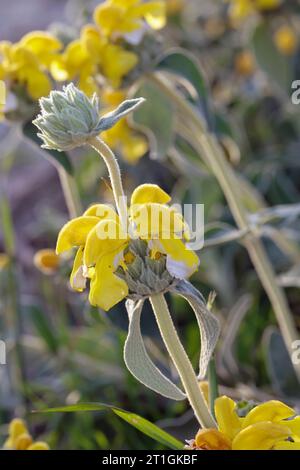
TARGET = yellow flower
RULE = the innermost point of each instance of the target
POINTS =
(46, 261)
(271, 425)
(120, 17)
(240, 9)
(20, 439)
(27, 62)
(286, 40)
(131, 144)
(4, 260)
(103, 246)
(244, 63)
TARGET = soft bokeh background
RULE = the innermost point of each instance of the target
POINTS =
(59, 349)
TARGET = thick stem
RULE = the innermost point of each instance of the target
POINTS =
(115, 177)
(70, 193)
(181, 361)
(215, 159)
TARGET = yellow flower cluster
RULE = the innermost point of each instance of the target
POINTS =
(271, 425)
(97, 61)
(20, 439)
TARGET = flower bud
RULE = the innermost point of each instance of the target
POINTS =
(69, 118)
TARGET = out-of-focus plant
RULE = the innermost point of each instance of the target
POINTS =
(20, 439)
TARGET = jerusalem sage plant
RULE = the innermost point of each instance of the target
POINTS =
(135, 253)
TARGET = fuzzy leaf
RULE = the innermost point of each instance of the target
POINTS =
(139, 363)
(110, 119)
(208, 323)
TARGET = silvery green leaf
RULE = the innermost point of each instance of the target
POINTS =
(208, 323)
(110, 119)
(137, 360)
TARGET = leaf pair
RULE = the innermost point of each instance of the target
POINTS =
(137, 359)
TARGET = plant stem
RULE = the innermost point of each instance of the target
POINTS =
(215, 159)
(181, 361)
(213, 385)
(70, 193)
(115, 177)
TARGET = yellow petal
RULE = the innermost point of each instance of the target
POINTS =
(287, 445)
(93, 42)
(149, 193)
(75, 232)
(153, 12)
(117, 62)
(153, 220)
(23, 441)
(38, 84)
(211, 439)
(294, 426)
(39, 446)
(114, 18)
(107, 289)
(107, 236)
(102, 211)
(77, 278)
(40, 42)
(260, 436)
(181, 262)
(228, 421)
(272, 410)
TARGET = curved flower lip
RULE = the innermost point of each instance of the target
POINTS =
(68, 118)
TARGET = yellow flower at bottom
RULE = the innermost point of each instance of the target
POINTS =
(104, 247)
(271, 425)
(20, 439)
(286, 40)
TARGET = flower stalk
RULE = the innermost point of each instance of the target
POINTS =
(114, 175)
(181, 361)
(215, 159)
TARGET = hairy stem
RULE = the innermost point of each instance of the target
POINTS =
(214, 157)
(115, 177)
(181, 361)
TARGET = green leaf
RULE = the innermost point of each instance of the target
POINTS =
(135, 420)
(139, 363)
(44, 329)
(184, 64)
(155, 119)
(271, 61)
(61, 158)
